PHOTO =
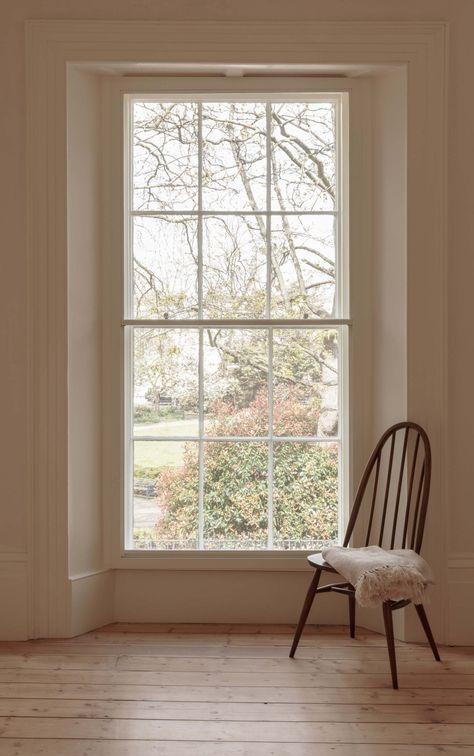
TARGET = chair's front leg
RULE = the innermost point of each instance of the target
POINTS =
(388, 621)
(308, 602)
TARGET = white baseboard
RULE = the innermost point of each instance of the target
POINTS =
(220, 597)
(92, 601)
(13, 597)
(460, 594)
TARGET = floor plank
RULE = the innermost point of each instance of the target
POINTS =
(171, 649)
(239, 679)
(230, 711)
(252, 732)
(146, 663)
(49, 747)
(210, 694)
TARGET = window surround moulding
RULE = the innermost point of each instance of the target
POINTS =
(220, 71)
(50, 46)
(113, 88)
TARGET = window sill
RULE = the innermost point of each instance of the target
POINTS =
(265, 561)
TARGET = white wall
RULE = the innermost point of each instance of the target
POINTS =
(379, 302)
(188, 595)
(389, 251)
(459, 510)
(388, 291)
(84, 324)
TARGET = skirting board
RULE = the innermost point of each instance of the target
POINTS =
(92, 601)
(14, 597)
(460, 590)
(220, 597)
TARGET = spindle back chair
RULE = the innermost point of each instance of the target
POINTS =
(389, 510)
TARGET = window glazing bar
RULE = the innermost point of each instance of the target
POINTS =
(201, 471)
(250, 439)
(160, 213)
(239, 323)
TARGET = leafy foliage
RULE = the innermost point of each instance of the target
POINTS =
(305, 498)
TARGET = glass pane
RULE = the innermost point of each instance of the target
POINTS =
(165, 155)
(165, 495)
(235, 382)
(165, 391)
(303, 266)
(234, 156)
(234, 266)
(305, 378)
(305, 495)
(235, 495)
(303, 156)
(165, 267)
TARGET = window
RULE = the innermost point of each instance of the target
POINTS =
(234, 330)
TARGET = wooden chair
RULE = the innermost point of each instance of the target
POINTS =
(390, 507)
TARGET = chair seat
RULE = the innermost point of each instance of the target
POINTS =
(317, 561)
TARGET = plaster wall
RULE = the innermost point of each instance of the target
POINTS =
(457, 521)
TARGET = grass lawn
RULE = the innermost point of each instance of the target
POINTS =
(187, 427)
(163, 454)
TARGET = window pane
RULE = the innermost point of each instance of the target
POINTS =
(303, 156)
(304, 266)
(235, 495)
(165, 382)
(234, 156)
(206, 246)
(165, 267)
(305, 377)
(234, 266)
(305, 495)
(165, 495)
(165, 156)
(235, 382)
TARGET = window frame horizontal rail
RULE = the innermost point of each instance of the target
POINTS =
(237, 323)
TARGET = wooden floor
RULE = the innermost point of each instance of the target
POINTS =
(145, 690)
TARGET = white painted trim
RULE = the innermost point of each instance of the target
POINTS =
(352, 95)
(462, 560)
(14, 586)
(87, 575)
(460, 587)
(92, 601)
(50, 45)
(13, 556)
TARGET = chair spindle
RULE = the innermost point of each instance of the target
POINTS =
(387, 489)
(399, 487)
(410, 491)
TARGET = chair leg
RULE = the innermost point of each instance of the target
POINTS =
(352, 614)
(308, 602)
(388, 621)
(426, 627)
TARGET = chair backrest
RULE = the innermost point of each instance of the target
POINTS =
(392, 498)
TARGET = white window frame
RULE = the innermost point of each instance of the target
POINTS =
(354, 94)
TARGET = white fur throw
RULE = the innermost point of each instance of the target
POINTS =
(378, 575)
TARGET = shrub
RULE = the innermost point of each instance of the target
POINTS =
(152, 413)
(305, 495)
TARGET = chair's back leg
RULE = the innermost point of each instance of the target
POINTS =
(388, 621)
(352, 614)
(426, 627)
(308, 602)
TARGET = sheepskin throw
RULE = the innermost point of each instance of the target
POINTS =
(378, 575)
